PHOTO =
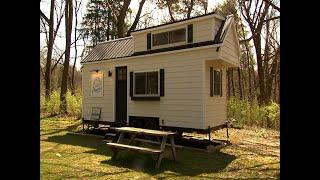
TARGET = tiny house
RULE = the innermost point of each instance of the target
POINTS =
(170, 76)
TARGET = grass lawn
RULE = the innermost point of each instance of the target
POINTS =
(254, 154)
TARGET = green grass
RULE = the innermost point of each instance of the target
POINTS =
(254, 153)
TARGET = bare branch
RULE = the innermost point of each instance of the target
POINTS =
(44, 17)
(273, 5)
(245, 40)
(136, 20)
(270, 19)
(112, 10)
(61, 56)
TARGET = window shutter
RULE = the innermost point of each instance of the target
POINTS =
(190, 33)
(211, 81)
(131, 84)
(148, 41)
(161, 82)
(221, 83)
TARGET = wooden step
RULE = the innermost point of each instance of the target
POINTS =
(134, 148)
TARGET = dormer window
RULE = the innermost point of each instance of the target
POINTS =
(169, 37)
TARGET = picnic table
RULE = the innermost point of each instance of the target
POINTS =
(133, 132)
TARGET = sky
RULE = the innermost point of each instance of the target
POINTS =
(134, 5)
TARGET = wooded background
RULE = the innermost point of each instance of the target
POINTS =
(258, 25)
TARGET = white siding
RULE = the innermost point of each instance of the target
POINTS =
(203, 30)
(140, 42)
(230, 47)
(182, 105)
(215, 106)
(106, 102)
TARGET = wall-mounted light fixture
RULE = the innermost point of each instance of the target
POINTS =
(109, 73)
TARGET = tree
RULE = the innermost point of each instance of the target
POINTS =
(65, 73)
(136, 19)
(49, 52)
(183, 8)
(171, 5)
(76, 10)
(96, 22)
(256, 16)
(50, 38)
(119, 10)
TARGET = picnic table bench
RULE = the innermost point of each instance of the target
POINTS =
(133, 132)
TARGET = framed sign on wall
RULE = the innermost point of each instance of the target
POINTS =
(97, 84)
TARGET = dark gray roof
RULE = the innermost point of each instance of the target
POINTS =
(223, 29)
(110, 50)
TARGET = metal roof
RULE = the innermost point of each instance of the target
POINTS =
(117, 48)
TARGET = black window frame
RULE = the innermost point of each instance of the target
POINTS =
(146, 95)
(168, 37)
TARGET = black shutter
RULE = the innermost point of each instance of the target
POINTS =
(149, 41)
(221, 83)
(161, 82)
(211, 81)
(131, 84)
(190, 33)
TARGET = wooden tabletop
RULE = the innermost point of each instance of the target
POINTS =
(144, 131)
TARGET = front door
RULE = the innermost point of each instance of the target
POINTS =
(121, 94)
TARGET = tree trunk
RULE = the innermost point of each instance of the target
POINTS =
(75, 48)
(249, 78)
(240, 84)
(248, 64)
(228, 84)
(121, 18)
(275, 88)
(169, 4)
(136, 20)
(257, 44)
(190, 9)
(49, 53)
(278, 84)
(64, 82)
(232, 84)
(108, 25)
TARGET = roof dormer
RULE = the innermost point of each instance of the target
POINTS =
(193, 30)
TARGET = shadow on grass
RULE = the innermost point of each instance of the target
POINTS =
(68, 128)
(189, 162)
(76, 140)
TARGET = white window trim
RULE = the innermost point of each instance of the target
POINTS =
(170, 44)
(145, 95)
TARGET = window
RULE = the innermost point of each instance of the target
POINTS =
(169, 37)
(160, 39)
(217, 82)
(146, 83)
(177, 36)
(122, 74)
